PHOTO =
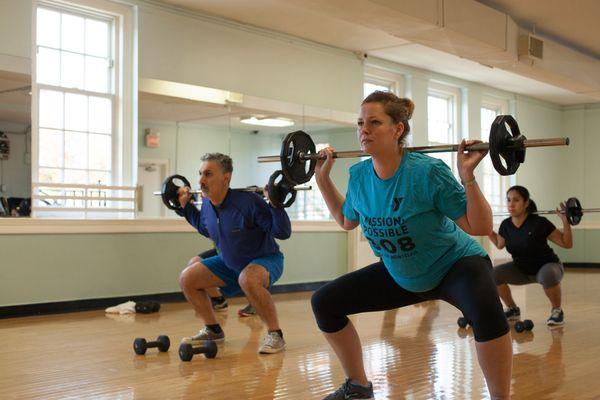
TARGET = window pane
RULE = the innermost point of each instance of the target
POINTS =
(51, 109)
(438, 131)
(76, 176)
(51, 148)
(100, 177)
(100, 115)
(76, 109)
(76, 155)
(438, 108)
(96, 74)
(48, 28)
(50, 175)
(440, 122)
(72, 70)
(369, 88)
(96, 38)
(72, 33)
(48, 66)
(100, 152)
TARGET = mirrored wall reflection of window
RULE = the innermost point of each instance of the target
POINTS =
(188, 129)
(15, 145)
(494, 185)
(441, 123)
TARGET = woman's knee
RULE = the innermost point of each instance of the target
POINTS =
(550, 275)
(326, 309)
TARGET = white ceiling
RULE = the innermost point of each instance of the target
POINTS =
(574, 24)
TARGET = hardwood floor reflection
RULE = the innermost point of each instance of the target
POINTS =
(413, 353)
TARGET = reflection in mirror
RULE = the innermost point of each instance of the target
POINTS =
(15, 145)
(175, 133)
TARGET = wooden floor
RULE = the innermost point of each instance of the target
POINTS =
(414, 353)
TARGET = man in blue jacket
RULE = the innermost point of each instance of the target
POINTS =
(244, 228)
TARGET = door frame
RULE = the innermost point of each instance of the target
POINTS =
(164, 167)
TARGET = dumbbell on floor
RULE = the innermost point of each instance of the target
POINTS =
(463, 322)
(525, 325)
(140, 345)
(208, 348)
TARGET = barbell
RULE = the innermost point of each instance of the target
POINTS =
(573, 211)
(282, 194)
(506, 145)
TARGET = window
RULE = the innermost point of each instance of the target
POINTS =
(76, 91)
(370, 87)
(441, 123)
(494, 184)
(309, 204)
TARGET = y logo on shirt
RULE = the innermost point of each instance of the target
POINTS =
(396, 203)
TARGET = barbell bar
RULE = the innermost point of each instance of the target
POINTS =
(281, 192)
(252, 189)
(506, 145)
(573, 211)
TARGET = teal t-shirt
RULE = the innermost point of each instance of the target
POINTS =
(408, 218)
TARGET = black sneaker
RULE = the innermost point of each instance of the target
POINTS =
(219, 305)
(557, 317)
(350, 390)
(512, 313)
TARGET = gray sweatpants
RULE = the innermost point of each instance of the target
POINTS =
(548, 276)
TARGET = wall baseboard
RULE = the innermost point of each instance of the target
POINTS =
(60, 307)
(582, 265)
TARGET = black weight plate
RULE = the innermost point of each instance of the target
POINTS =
(170, 187)
(573, 211)
(506, 145)
(280, 190)
(295, 170)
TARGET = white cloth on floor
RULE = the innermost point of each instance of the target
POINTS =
(124, 308)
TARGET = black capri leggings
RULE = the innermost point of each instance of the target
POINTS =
(468, 286)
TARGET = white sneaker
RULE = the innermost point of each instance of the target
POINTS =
(202, 335)
(272, 343)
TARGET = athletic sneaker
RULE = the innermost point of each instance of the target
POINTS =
(272, 343)
(351, 390)
(247, 311)
(512, 313)
(219, 305)
(557, 317)
(204, 334)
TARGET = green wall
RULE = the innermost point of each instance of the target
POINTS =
(52, 268)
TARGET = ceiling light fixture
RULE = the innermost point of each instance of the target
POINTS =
(263, 120)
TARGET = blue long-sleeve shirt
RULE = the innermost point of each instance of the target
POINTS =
(243, 227)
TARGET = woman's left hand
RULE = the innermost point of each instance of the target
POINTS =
(561, 213)
(468, 160)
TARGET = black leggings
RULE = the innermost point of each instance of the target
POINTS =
(468, 286)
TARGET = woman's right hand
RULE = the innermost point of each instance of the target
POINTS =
(323, 167)
(184, 195)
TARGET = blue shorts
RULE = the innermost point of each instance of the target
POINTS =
(273, 263)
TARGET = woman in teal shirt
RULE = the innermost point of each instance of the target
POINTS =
(417, 219)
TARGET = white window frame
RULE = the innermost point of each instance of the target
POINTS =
(307, 202)
(452, 94)
(488, 173)
(394, 81)
(123, 91)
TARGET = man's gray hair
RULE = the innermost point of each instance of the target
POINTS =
(222, 159)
